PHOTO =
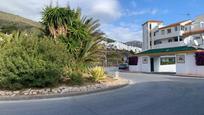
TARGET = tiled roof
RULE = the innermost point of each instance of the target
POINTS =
(188, 23)
(168, 50)
(193, 32)
(173, 25)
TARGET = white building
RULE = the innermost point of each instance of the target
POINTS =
(171, 48)
(122, 46)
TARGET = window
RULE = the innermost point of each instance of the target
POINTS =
(162, 32)
(176, 28)
(176, 39)
(150, 34)
(133, 60)
(150, 26)
(167, 60)
(170, 40)
(199, 57)
(181, 39)
(155, 33)
(157, 42)
(197, 38)
(168, 31)
(202, 25)
(182, 27)
(186, 28)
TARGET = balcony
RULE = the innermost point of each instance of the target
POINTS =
(168, 45)
(168, 35)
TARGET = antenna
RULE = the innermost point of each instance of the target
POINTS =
(188, 15)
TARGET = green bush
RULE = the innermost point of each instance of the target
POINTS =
(76, 78)
(97, 73)
(31, 62)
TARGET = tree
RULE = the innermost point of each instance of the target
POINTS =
(81, 34)
(93, 51)
(57, 20)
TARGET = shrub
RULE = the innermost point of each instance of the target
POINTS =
(76, 78)
(31, 62)
(97, 73)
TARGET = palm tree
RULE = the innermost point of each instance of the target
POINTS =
(92, 50)
(81, 34)
(57, 19)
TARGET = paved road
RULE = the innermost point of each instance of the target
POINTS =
(148, 94)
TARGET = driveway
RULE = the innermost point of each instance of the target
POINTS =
(148, 94)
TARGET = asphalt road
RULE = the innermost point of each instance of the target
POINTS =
(148, 94)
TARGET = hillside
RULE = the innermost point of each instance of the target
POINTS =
(134, 43)
(10, 22)
(109, 40)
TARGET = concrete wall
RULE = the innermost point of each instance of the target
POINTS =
(140, 67)
(134, 68)
(145, 45)
(156, 64)
(145, 67)
(189, 67)
(167, 68)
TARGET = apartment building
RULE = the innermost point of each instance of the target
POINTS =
(172, 48)
(156, 35)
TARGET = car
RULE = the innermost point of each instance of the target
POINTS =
(123, 66)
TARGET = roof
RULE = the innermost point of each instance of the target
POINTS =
(172, 50)
(193, 32)
(153, 21)
(174, 24)
(189, 23)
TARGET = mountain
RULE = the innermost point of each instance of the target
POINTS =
(134, 43)
(10, 22)
(109, 40)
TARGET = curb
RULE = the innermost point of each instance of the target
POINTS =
(170, 74)
(16, 98)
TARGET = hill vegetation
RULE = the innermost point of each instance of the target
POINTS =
(10, 22)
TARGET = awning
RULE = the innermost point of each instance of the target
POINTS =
(169, 51)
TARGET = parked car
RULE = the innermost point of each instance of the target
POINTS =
(123, 66)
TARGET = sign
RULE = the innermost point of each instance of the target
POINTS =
(145, 60)
(180, 58)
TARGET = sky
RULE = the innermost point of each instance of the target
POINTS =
(120, 20)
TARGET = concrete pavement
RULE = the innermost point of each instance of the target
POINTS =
(148, 94)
